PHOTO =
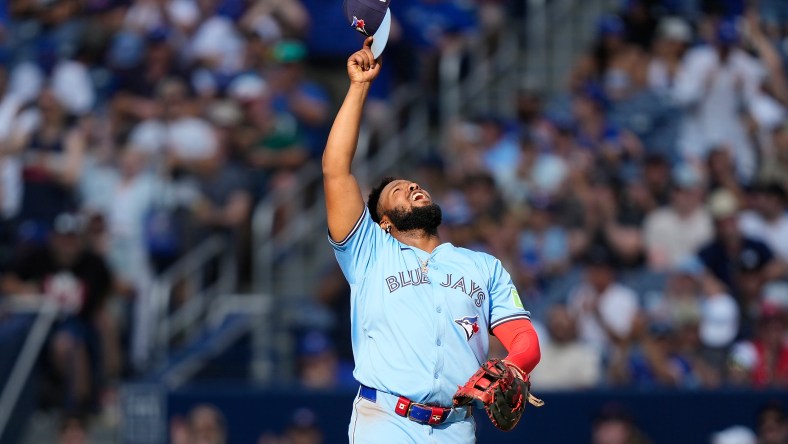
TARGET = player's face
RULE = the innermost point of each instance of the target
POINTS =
(403, 194)
(408, 207)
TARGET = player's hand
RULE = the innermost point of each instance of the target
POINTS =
(362, 66)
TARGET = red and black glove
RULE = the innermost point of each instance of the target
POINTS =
(503, 389)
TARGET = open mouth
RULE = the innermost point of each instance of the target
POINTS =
(417, 196)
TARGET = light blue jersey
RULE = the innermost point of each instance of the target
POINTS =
(421, 322)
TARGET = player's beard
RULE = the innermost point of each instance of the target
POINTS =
(426, 218)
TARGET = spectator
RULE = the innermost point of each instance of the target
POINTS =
(292, 18)
(740, 263)
(762, 361)
(666, 246)
(135, 196)
(500, 149)
(207, 425)
(614, 220)
(52, 148)
(593, 130)
(536, 174)
(567, 363)
(303, 428)
(612, 63)
(140, 66)
(767, 221)
(319, 366)
(776, 170)
(715, 83)
(772, 424)
(679, 302)
(73, 430)
(134, 192)
(734, 435)
(333, 293)
(434, 29)
(224, 203)
(673, 38)
(79, 282)
(771, 366)
(531, 117)
(296, 96)
(179, 431)
(604, 309)
(654, 358)
(176, 135)
(697, 321)
(719, 323)
(657, 177)
(273, 143)
(543, 251)
(613, 424)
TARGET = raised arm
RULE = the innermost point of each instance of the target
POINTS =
(344, 202)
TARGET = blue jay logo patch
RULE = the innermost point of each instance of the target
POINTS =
(470, 324)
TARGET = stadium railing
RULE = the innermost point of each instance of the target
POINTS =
(555, 33)
(44, 312)
(192, 271)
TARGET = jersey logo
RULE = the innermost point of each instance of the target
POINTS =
(359, 25)
(470, 324)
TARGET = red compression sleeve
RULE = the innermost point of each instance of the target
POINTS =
(522, 343)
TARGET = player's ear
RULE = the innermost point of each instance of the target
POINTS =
(385, 224)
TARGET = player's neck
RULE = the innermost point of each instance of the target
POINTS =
(419, 239)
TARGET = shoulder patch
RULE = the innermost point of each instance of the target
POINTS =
(516, 299)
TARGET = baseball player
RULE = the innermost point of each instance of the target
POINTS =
(421, 310)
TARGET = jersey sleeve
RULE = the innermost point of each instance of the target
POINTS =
(505, 303)
(355, 252)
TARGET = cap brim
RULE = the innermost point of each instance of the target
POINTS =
(382, 35)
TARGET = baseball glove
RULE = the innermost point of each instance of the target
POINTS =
(502, 388)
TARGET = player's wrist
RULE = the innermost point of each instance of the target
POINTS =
(515, 368)
(360, 85)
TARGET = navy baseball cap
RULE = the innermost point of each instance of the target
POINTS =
(371, 18)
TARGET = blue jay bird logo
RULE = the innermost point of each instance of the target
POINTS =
(470, 324)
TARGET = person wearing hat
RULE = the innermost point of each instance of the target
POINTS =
(767, 221)
(674, 36)
(319, 365)
(739, 262)
(293, 95)
(79, 282)
(770, 367)
(715, 83)
(665, 245)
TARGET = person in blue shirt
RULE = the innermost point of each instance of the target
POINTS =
(422, 311)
